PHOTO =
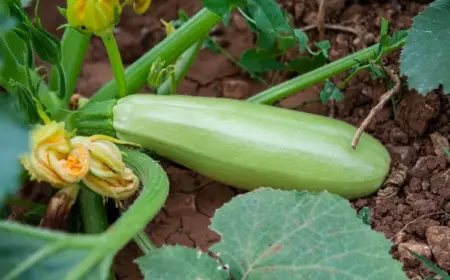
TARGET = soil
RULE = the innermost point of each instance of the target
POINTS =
(413, 205)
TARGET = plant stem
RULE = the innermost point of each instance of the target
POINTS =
(92, 211)
(74, 46)
(318, 75)
(144, 242)
(168, 50)
(181, 68)
(116, 63)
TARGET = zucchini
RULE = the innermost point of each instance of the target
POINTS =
(247, 145)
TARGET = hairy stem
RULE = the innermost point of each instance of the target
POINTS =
(92, 211)
(168, 50)
(74, 46)
(318, 75)
(116, 63)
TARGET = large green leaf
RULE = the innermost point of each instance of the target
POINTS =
(180, 263)
(13, 142)
(425, 58)
(276, 234)
(31, 253)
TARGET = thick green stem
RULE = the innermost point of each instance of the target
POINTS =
(74, 46)
(168, 50)
(92, 211)
(181, 68)
(116, 63)
(318, 75)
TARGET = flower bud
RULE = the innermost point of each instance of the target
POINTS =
(107, 175)
(141, 6)
(120, 187)
(93, 16)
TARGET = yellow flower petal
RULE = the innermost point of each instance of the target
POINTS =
(73, 167)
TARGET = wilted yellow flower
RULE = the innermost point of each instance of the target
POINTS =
(107, 175)
(53, 159)
(93, 16)
(139, 6)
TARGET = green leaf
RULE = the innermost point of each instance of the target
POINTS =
(180, 263)
(260, 60)
(223, 8)
(431, 266)
(277, 234)
(13, 142)
(32, 253)
(270, 21)
(305, 64)
(302, 40)
(364, 215)
(425, 59)
(329, 91)
(324, 46)
(211, 45)
(384, 33)
(376, 72)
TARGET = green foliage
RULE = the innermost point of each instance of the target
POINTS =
(223, 8)
(425, 59)
(364, 215)
(13, 142)
(275, 234)
(260, 60)
(330, 91)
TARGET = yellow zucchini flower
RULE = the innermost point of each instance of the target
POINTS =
(53, 159)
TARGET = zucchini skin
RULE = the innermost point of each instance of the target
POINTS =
(248, 145)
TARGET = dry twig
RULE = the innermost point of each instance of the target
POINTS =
(336, 27)
(383, 100)
(413, 221)
(321, 19)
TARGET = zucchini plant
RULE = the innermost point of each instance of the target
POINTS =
(300, 168)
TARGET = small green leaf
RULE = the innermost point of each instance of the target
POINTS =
(324, 46)
(384, 32)
(364, 215)
(305, 64)
(425, 59)
(180, 263)
(329, 91)
(431, 266)
(261, 60)
(211, 46)
(302, 40)
(447, 152)
(376, 72)
(269, 20)
(223, 8)
(13, 142)
(286, 42)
